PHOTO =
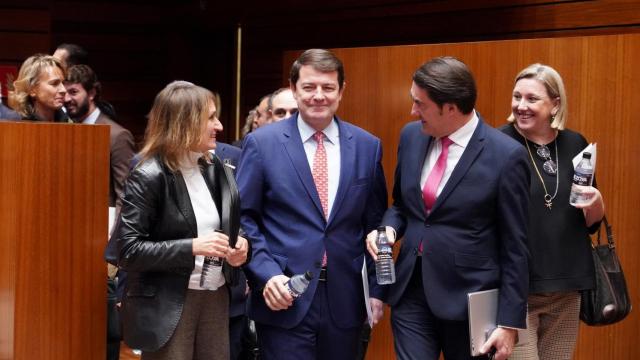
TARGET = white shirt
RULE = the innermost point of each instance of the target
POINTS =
(460, 138)
(91, 119)
(204, 208)
(332, 147)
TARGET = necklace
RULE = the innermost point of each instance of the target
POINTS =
(548, 199)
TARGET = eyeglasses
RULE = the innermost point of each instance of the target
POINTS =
(282, 112)
(549, 166)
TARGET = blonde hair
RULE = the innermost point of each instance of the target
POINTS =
(552, 82)
(28, 77)
(177, 119)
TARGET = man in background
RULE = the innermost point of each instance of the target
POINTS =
(282, 104)
(83, 105)
(71, 54)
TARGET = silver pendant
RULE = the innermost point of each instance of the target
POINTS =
(548, 201)
(550, 167)
(543, 151)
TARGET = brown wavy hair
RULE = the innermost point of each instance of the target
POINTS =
(177, 119)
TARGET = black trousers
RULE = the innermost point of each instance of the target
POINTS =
(114, 333)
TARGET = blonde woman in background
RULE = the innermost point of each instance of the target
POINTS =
(38, 92)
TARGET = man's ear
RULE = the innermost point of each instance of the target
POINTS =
(92, 94)
(450, 108)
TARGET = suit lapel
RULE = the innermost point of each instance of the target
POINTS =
(416, 161)
(347, 164)
(181, 197)
(100, 119)
(292, 143)
(470, 154)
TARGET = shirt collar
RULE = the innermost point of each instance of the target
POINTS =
(331, 132)
(91, 119)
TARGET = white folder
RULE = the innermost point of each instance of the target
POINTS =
(483, 312)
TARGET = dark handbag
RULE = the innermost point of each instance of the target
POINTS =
(608, 302)
(230, 212)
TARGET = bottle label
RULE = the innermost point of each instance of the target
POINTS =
(582, 179)
(291, 289)
(384, 254)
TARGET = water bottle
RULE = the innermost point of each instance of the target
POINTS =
(298, 284)
(385, 271)
(210, 266)
(582, 177)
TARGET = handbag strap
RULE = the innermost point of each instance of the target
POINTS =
(609, 232)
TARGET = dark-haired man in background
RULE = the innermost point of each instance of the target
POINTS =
(83, 105)
(71, 54)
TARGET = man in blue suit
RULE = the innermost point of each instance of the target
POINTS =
(311, 188)
(460, 201)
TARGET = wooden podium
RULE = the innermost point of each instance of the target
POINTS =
(53, 229)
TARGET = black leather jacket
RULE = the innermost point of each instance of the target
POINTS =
(154, 240)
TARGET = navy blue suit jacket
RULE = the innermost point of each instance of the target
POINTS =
(474, 237)
(283, 218)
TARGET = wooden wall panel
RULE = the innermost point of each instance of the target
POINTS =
(53, 229)
(271, 31)
(601, 81)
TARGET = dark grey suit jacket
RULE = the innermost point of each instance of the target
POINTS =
(121, 147)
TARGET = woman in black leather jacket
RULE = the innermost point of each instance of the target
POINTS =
(174, 199)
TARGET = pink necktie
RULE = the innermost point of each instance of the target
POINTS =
(435, 177)
(321, 178)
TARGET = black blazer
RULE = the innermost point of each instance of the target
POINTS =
(154, 241)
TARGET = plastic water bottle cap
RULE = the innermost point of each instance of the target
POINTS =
(308, 275)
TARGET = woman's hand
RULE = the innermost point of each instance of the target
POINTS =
(212, 244)
(593, 208)
(238, 256)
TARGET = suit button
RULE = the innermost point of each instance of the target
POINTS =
(427, 224)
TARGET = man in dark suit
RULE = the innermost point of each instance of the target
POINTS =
(460, 201)
(311, 187)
